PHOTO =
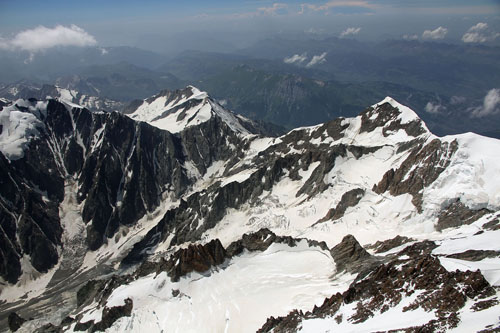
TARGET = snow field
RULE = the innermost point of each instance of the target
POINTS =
(237, 297)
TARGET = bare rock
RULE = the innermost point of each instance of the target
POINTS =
(349, 254)
(197, 258)
(457, 214)
(420, 169)
(384, 246)
(475, 255)
(15, 321)
(349, 199)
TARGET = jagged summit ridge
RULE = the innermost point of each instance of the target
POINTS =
(91, 98)
(176, 110)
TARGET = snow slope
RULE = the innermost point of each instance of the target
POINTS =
(237, 297)
(19, 126)
(183, 108)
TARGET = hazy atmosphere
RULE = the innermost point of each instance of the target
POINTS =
(249, 166)
(172, 26)
(313, 60)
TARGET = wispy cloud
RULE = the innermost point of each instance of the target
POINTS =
(42, 38)
(438, 33)
(350, 32)
(434, 107)
(317, 59)
(296, 59)
(456, 100)
(335, 4)
(491, 105)
(479, 33)
(410, 37)
(273, 10)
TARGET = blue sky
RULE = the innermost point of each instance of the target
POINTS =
(151, 23)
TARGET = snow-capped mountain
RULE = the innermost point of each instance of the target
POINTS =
(183, 216)
(175, 111)
(86, 95)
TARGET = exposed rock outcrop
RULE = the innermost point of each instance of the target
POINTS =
(195, 258)
(385, 116)
(15, 321)
(384, 246)
(349, 199)
(421, 168)
(475, 255)
(349, 254)
(457, 214)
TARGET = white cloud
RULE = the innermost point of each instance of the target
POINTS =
(479, 33)
(438, 33)
(432, 107)
(479, 27)
(410, 37)
(350, 31)
(275, 9)
(317, 59)
(41, 38)
(296, 59)
(491, 105)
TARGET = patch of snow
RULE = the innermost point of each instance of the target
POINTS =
(229, 118)
(475, 321)
(489, 267)
(240, 177)
(66, 94)
(19, 128)
(461, 243)
(472, 174)
(30, 285)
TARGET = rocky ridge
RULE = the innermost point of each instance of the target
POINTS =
(182, 178)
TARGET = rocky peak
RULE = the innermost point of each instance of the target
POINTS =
(177, 110)
(348, 254)
(392, 117)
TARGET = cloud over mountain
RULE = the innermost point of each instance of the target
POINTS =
(317, 59)
(438, 33)
(479, 33)
(296, 59)
(491, 104)
(41, 38)
(350, 31)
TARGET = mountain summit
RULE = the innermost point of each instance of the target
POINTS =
(148, 219)
(176, 110)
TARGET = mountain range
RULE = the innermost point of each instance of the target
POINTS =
(178, 214)
(275, 80)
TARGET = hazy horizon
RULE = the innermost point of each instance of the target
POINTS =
(170, 27)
